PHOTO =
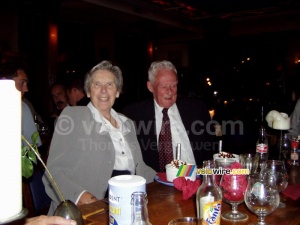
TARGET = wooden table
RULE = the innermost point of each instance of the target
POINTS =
(165, 203)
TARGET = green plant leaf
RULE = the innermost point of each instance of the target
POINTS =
(34, 138)
(29, 157)
(27, 167)
(24, 150)
(32, 157)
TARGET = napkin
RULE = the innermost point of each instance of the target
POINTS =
(292, 191)
(162, 176)
(188, 187)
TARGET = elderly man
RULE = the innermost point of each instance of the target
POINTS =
(187, 119)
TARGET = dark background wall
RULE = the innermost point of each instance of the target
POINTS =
(269, 78)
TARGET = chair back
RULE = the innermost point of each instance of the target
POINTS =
(35, 197)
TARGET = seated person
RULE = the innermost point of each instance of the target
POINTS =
(93, 143)
(188, 120)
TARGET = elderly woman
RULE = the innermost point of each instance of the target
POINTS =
(93, 143)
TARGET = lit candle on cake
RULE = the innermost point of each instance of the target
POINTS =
(178, 151)
(10, 148)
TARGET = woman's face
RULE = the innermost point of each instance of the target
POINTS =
(103, 90)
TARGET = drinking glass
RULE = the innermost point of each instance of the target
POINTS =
(261, 196)
(284, 147)
(277, 169)
(223, 163)
(233, 188)
(249, 161)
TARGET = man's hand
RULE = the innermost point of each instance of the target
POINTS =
(49, 220)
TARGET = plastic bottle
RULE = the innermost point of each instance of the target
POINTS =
(209, 198)
(139, 213)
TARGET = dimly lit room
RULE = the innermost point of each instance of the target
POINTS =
(237, 61)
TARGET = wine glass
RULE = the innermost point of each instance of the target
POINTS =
(222, 163)
(261, 196)
(277, 169)
(233, 188)
(67, 209)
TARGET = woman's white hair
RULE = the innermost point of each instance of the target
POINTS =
(104, 65)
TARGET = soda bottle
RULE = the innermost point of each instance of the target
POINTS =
(294, 153)
(262, 148)
(139, 211)
(209, 198)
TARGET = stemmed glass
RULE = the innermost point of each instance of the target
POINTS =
(261, 196)
(277, 169)
(233, 188)
(222, 163)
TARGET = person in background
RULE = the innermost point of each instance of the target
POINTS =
(18, 74)
(188, 119)
(49, 220)
(93, 143)
(36, 116)
(60, 100)
(59, 97)
(28, 125)
(12, 71)
(76, 93)
(294, 131)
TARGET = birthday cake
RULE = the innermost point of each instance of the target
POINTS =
(178, 168)
(226, 155)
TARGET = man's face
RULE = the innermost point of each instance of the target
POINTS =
(21, 82)
(59, 96)
(164, 88)
(72, 96)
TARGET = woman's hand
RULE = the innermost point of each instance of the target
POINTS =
(49, 220)
(87, 198)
